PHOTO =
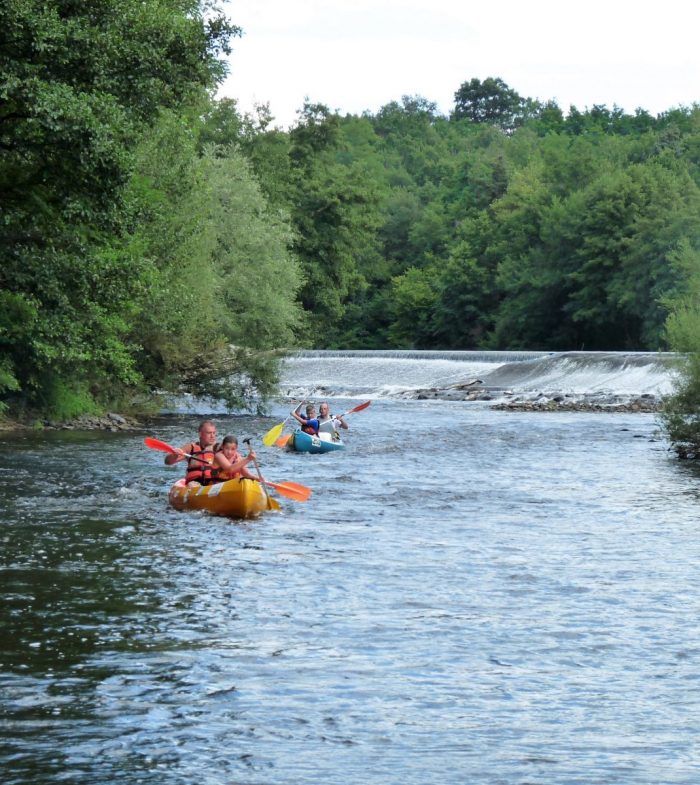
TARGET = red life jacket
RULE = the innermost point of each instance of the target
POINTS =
(310, 426)
(197, 471)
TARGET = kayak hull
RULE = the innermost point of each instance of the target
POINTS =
(240, 498)
(305, 442)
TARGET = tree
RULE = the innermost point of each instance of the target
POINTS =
(491, 102)
(681, 413)
(81, 82)
(334, 211)
(223, 281)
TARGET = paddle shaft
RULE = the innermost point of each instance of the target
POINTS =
(262, 479)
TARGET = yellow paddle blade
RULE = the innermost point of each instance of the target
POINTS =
(273, 434)
(273, 504)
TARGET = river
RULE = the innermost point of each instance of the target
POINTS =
(469, 596)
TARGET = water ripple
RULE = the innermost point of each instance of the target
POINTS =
(468, 596)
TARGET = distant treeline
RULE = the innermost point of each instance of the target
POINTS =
(508, 224)
(148, 228)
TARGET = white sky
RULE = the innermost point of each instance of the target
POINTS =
(357, 55)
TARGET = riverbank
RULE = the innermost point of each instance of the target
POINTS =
(111, 421)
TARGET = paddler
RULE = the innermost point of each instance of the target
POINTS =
(231, 464)
(309, 424)
(199, 471)
(327, 422)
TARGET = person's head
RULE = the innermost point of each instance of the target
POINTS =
(323, 409)
(310, 411)
(207, 433)
(229, 445)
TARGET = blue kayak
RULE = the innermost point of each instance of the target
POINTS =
(305, 442)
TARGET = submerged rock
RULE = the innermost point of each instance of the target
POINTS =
(507, 400)
(642, 404)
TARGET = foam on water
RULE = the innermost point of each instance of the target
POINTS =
(582, 373)
(393, 373)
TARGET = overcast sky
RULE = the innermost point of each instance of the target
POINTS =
(357, 55)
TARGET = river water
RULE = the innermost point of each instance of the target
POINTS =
(469, 596)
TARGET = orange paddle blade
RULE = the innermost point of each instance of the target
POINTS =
(358, 408)
(157, 444)
(282, 441)
(292, 490)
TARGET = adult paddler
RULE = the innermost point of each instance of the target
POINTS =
(198, 471)
(328, 423)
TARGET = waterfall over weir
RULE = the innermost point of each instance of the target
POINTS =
(393, 373)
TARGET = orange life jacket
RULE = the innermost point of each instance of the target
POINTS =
(197, 471)
(219, 474)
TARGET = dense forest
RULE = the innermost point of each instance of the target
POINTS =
(155, 238)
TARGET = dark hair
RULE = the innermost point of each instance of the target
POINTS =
(229, 440)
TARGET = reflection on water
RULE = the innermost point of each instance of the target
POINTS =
(469, 596)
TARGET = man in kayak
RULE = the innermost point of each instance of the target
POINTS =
(206, 460)
(327, 422)
(200, 468)
(309, 424)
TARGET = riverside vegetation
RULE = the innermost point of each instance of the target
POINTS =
(155, 238)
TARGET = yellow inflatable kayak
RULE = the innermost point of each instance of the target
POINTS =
(240, 498)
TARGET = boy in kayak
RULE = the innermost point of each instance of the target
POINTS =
(309, 424)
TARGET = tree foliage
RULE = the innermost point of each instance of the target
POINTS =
(492, 102)
(113, 221)
(155, 238)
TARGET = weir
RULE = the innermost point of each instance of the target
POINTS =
(396, 373)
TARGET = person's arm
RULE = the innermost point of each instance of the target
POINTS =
(341, 422)
(297, 416)
(172, 458)
(248, 475)
(238, 466)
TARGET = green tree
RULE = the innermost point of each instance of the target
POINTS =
(81, 82)
(414, 300)
(223, 281)
(334, 211)
(681, 413)
(492, 102)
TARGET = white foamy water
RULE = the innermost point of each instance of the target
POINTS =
(585, 373)
(393, 373)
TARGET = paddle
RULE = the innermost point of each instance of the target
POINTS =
(274, 433)
(262, 480)
(157, 444)
(358, 408)
(292, 490)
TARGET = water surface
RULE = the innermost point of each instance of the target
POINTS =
(469, 596)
